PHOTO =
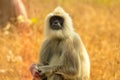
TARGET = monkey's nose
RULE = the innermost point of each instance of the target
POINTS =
(55, 23)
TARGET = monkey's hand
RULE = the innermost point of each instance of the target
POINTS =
(45, 70)
(36, 73)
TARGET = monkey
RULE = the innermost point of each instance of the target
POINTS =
(63, 55)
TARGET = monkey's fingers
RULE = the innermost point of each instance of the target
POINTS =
(32, 68)
(36, 74)
(34, 71)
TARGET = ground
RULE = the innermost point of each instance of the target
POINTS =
(96, 21)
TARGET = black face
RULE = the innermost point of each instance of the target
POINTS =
(56, 22)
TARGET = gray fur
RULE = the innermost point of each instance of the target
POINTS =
(64, 57)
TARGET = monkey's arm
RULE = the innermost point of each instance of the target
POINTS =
(45, 54)
(36, 72)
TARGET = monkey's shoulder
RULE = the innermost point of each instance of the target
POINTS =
(76, 40)
(76, 37)
(73, 40)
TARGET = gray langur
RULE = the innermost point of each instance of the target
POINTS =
(63, 55)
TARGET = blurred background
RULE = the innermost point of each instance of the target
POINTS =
(21, 34)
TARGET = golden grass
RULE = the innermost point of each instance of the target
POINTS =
(98, 24)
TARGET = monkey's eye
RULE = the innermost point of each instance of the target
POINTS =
(56, 22)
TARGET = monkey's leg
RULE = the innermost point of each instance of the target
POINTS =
(56, 77)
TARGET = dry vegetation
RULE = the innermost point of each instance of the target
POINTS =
(97, 22)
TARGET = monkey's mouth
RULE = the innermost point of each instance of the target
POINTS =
(56, 27)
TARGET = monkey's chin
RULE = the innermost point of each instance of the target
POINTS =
(56, 27)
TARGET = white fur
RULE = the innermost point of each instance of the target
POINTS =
(68, 27)
(68, 31)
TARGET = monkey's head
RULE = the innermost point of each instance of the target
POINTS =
(58, 24)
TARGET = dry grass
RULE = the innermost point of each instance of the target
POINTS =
(97, 22)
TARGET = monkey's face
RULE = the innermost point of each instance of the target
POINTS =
(56, 22)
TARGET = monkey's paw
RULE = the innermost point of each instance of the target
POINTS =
(36, 73)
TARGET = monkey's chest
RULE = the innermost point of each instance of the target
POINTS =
(55, 53)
